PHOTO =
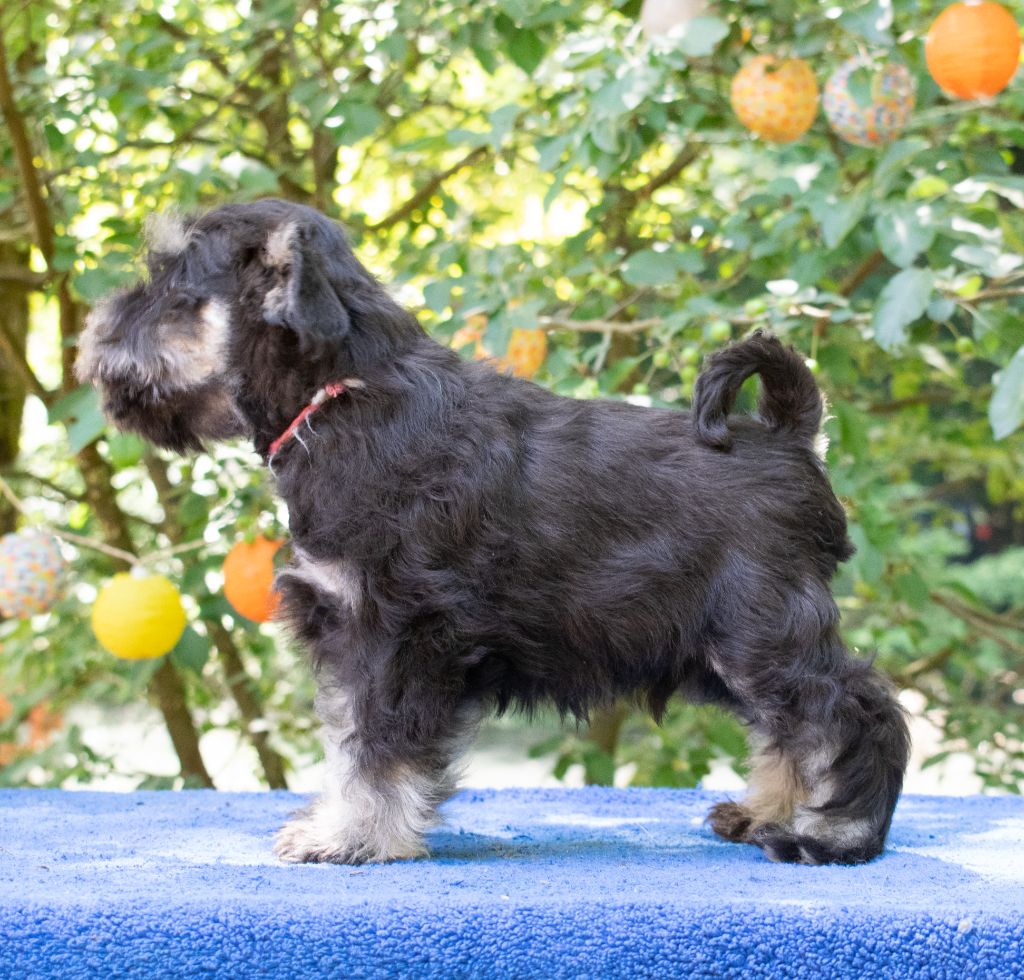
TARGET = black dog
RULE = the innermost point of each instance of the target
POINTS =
(467, 541)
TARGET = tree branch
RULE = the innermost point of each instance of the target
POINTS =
(248, 703)
(680, 162)
(625, 200)
(61, 492)
(15, 357)
(180, 34)
(427, 190)
(22, 147)
(19, 275)
(849, 284)
(166, 686)
(924, 398)
(923, 665)
(1005, 292)
(238, 680)
(598, 326)
(860, 273)
(986, 623)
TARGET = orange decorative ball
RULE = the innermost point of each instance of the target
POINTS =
(778, 100)
(526, 351)
(249, 579)
(973, 49)
(471, 333)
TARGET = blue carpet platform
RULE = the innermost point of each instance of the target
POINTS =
(549, 883)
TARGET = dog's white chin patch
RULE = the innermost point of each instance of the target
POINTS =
(187, 361)
(87, 363)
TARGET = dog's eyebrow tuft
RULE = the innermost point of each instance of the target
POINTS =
(167, 233)
(278, 250)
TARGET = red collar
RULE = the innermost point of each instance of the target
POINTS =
(327, 392)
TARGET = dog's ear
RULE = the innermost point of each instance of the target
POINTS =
(304, 293)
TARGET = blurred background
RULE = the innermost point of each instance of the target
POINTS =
(552, 185)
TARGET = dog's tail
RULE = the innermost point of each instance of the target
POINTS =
(790, 399)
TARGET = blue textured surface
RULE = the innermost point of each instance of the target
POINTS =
(549, 883)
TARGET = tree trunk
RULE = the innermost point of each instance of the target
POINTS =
(238, 680)
(14, 324)
(604, 728)
(248, 703)
(165, 686)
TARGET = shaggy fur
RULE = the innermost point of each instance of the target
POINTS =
(467, 541)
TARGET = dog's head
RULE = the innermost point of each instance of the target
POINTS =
(245, 311)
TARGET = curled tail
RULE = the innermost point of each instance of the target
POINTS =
(790, 399)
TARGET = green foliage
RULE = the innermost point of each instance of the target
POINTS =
(543, 162)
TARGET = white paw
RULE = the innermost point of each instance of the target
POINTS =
(317, 836)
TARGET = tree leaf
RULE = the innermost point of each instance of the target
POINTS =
(81, 414)
(698, 37)
(941, 308)
(838, 217)
(359, 120)
(125, 448)
(903, 299)
(853, 430)
(527, 50)
(904, 233)
(894, 160)
(599, 767)
(990, 260)
(860, 85)
(437, 294)
(872, 21)
(650, 268)
(91, 284)
(502, 120)
(973, 188)
(191, 652)
(1006, 410)
(550, 151)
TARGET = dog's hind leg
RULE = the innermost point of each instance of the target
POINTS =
(830, 741)
(378, 800)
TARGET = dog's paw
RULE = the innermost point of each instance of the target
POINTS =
(731, 821)
(311, 839)
(300, 841)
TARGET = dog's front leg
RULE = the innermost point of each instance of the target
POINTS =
(377, 800)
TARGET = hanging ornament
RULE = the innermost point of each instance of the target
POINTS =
(658, 17)
(249, 578)
(526, 352)
(138, 617)
(973, 49)
(868, 105)
(31, 573)
(776, 99)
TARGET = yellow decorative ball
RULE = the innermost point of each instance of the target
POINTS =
(138, 618)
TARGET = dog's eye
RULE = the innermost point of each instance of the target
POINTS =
(189, 303)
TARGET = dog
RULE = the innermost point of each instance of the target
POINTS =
(467, 542)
